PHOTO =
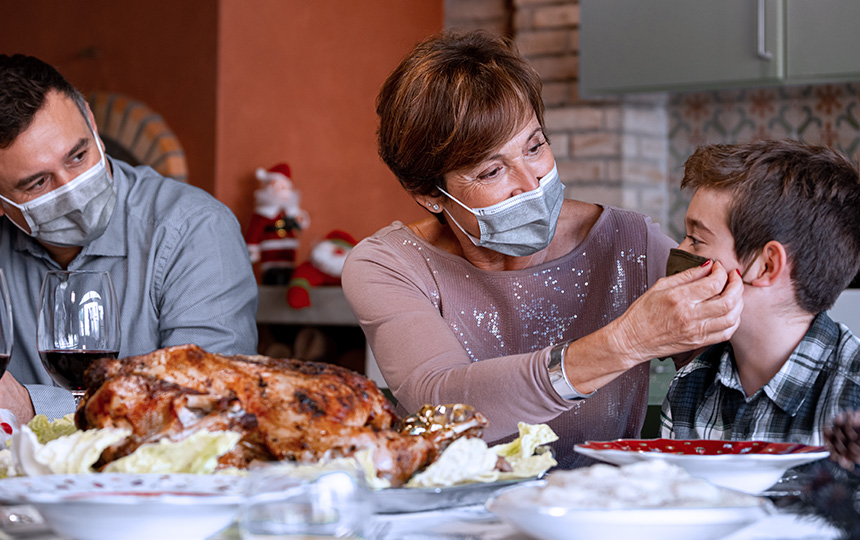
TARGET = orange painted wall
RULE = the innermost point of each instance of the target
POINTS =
(160, 52)
(297, 83)
(247, 84)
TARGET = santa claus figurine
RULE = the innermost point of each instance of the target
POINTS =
(272, 234)
(323, 268)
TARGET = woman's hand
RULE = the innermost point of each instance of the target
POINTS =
(690, 310)
(696, 308)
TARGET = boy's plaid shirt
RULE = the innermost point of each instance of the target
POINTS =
(819, 379)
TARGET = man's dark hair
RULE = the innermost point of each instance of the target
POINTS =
(25, 81)
(805, 197)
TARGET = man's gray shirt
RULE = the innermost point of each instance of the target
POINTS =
(177, 261)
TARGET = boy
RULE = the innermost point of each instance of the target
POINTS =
(786, 216)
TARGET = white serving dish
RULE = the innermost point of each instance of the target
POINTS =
(130, 506)
(516, 507)
(748, 466)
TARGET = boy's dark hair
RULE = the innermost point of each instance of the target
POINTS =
(24, 83)
(805, 197)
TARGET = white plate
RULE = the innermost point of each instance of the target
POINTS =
(749, 466)
(130, 506)
(559, 523)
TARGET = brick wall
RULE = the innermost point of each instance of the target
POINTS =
(611, 151)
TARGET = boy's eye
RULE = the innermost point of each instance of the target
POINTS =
(535, 148)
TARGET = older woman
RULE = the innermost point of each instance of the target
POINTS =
(527, 306)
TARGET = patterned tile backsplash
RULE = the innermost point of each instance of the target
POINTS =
(827, 114)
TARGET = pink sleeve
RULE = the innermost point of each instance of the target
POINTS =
(421, 359)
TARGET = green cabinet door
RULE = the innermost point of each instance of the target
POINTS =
(824, 40)
(646, 45)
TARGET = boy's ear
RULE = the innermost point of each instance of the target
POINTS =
(770, 265)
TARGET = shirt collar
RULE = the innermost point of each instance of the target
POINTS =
(794, 381)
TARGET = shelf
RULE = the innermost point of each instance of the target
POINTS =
(328, 308)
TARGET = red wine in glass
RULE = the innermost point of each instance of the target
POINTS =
(78, 323)
(67, 367)
(6, 326)
(4, 363)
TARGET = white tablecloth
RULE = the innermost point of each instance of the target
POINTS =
(475, 523)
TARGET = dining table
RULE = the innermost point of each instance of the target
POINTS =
(472, 522)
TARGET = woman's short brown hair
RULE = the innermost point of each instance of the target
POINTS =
(450, 103)
(805, 197)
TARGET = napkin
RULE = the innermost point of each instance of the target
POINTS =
(8, 425)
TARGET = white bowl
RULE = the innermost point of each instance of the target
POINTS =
(749, 466)
(559, 523)
(130, 506)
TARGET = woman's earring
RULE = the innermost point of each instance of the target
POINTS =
(434, 206)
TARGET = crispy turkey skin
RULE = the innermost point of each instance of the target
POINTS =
(284, 409)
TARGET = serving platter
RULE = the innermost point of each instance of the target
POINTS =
(749, 466)
(404, 500)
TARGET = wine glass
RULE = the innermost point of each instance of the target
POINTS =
(78, 323)
(5, 324)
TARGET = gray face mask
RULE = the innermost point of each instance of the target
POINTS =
(521, 225)
(74, 214)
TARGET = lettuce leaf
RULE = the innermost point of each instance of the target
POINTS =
(526, 454)
(197, 454)
(48, 430)
(465, 460)
(471, 460)
(67, 454)
(359, 464)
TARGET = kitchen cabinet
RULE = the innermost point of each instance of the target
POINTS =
(824, 41)
(677, 45)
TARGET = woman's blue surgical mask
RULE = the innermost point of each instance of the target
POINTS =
(521, 225)
(74, 214)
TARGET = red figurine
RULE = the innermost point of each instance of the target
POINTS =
(272, 234)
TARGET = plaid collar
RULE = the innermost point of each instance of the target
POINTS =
(793, 383)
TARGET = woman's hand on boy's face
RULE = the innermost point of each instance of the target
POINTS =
(693, 309)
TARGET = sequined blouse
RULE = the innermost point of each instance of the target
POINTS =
(444, 331)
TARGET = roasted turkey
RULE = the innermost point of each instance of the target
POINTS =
(284, 409)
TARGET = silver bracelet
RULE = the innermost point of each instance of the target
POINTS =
(558, 377)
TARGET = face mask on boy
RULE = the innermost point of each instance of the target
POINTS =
(680, 260)
(74, 214)
(521, 225)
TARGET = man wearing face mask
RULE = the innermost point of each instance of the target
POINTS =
(785, 217)
(175, 255)
(528, 306)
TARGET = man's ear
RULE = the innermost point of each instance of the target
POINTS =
(771, 265)
(92, 120)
